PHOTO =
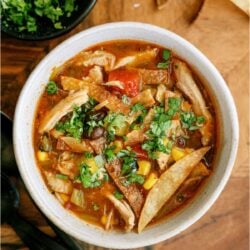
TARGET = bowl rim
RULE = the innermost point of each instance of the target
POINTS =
(216, 191)
(55, 33)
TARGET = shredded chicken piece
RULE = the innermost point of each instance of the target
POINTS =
(76, 145)
(98, 144)
(109, 220)
(66, 165)
(187, 85)
(96, 74)
(58, 185)
(65, 106)
(174, 129)
(134, 137)
(138, 58)
(162, 160)
(125, 211)
(98, 57)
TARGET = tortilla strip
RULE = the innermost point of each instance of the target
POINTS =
(145, 97)
(138, 58)
(98, 92)
(242, 4)
(187, 85)
(154, 76)
(65, 106)
(131, 192)
(198, 174)
(166, 186)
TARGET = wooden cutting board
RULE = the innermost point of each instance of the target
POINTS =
(220, 30)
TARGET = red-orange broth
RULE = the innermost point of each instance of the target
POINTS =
(68, 169)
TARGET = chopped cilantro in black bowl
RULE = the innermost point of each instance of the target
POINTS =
(42, 19)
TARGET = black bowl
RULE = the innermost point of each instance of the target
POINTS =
(46, 29)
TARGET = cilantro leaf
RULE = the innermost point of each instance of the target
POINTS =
(133, 178)
(89, 179)
(88, 155)
(138, 107)
(114, 121)
(62, 176)
(166, 54)
(109, 154)
(24, 15)
(51, 88)
(163, 65)
(118, 195)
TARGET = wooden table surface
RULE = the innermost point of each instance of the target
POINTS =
(220, 30)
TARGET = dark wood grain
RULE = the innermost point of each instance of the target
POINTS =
(217, 28)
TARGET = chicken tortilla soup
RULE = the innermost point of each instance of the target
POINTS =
(124, 134)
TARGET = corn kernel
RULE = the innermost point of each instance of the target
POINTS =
(185, 106)
(92, 164)
(118, 146)
(144, 167)
(64, 197)
(104, 219)
(165, 141)
(150, 181)
(178, 153)
(42, 156)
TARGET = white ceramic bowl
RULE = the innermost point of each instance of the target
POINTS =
(23, 143)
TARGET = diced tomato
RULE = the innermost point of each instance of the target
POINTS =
(140, 153)
(130, 80)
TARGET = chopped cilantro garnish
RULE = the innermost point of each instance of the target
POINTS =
(89, 179)
(200, 120)
(163, 65)
(158, 128)
(166, 54)
(114, 121)
(125, 99)
(133, 178)
(174, 103)
(25, 15)
(138, 107)
(190, 121)
(118, 195)
(88, 155)
(96, 207)
(62, 176)
(52, 88)
(109, 154)
(74, 125)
